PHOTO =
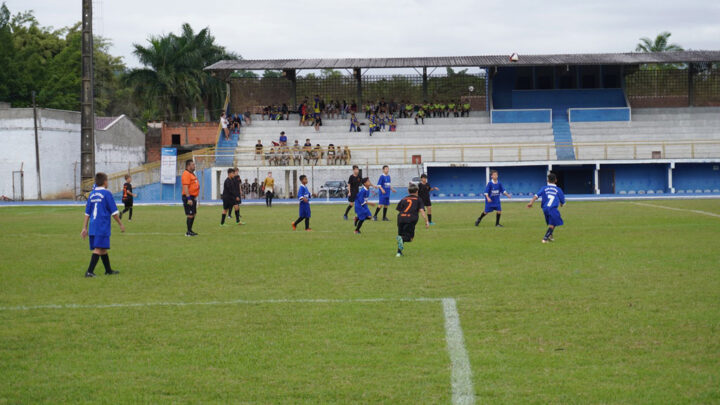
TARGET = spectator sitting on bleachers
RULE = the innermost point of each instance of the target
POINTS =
(382, 120)
(465, 109)
(420, 114)
(373, 125)
(284, 112)
(258, 150)
(346, 155)
(331, 154)
(307, 150)
(317, 153)
(270, 157)
(247, 118)
(283, 138)
(297, 153)
(284, 155)
(392, 123)
(408, 111)
(266, 111)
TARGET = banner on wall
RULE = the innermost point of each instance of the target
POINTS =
(168, 165)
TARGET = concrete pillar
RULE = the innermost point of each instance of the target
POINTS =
(424, 84)
(691, 92)
(597, 178)
(487, 175)
(357, 72)
(670, 178)
(287, 183)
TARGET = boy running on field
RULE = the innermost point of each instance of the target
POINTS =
(362, 211)
(552, 197)
(304, 198)
(408, 209)
(424, 189)
(492, 198)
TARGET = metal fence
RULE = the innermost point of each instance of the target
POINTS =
(662, 86)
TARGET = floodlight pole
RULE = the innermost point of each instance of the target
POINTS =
(87, 108)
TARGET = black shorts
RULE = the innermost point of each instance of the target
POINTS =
(190, 209)
(229, 203)
(406, 230)
(128, 203)
(351, 198)
(427, 202)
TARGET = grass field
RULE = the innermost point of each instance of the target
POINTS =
(623, 308)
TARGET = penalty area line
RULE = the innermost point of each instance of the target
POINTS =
(209, 303)
(710, 214)
(461, 377)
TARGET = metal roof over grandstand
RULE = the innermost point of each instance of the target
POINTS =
(632, 58)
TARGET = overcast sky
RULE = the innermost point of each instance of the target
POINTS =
(387, 28)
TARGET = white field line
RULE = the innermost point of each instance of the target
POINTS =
(462, 386)
(711, 214)
(206, 303)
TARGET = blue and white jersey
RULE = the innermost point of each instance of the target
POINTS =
(494, 190)
(385, 183)
(552, 196)
(303, 192)
(100, 208)
(362, 196)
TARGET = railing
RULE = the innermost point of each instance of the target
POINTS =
(416, 154)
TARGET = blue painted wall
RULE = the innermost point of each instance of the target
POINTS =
(636, 177)
(561, 100)
(461, 181)
(520, 116)
(696, 176)
(600, 114)
(156, 192)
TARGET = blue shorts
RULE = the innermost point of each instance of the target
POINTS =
(99, 242)
(362, 212)
(304, 210)
(384, 199)
(490, 207)
(552, 217)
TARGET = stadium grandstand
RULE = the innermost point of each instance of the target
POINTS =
(608, 124)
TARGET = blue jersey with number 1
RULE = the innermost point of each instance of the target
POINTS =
(100, 208)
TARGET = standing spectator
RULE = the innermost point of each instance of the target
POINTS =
(353, 107)
(224, 124)
(254, 188)
(302, 112)
(285, 111)
(246, 189)
(343, 109)
(322, 107)
(259, 150)
(283, 139)
(269, 188)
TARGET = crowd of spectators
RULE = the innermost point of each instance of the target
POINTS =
(282, 154)
(231, 123)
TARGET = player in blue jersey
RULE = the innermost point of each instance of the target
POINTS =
(384, 185)
(552, 198)
(362, 212)
(493, 190)
(304, 198)
(99, 209)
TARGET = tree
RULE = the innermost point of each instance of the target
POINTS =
(660, 44)
(173, 81)
(272, 74)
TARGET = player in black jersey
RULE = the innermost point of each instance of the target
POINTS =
(353, 186)
(127, 197)
(409, 209)
(424, 189)
(230, 197)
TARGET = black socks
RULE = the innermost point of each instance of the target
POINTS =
(497, 219)
(347, 209)
(429, 217)
(376, 211)
(307, 223)
(384, 212)
(359, 224)
(222, 221)
(106, 262)
(482, 216)
(93, 262)
(549, 233)
(237, 216)
(190, 224)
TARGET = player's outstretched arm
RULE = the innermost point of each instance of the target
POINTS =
(507, 194)
(487, 198)
(116, 217)
(530, 204)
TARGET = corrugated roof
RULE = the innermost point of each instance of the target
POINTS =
(103, 123)
(632, 58)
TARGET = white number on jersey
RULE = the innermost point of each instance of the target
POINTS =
(551, 198)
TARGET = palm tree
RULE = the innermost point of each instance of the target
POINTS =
(660, 44)
(173, 80)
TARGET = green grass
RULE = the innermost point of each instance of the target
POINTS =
(623, 308)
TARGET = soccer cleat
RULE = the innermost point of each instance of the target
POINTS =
(111, 272)
(240, 223)
(190, 234)
(544, 240)
(499, 226)
(89, 274)
(357, 232)
(223, 225)
(345, 217)
(374, 218)
(294, 227)
(398, 254)
(386, 219)
(308, 230)
(400, 244)
(477, 222)
(432, 223)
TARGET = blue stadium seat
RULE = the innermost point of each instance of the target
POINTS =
(622, 192)
(707, 190)
(659, 191)
(631, 192)
(716, 190)
(698, 191)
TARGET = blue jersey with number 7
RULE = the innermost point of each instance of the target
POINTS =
(552, 196)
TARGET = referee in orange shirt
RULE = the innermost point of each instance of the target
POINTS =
(190, 192)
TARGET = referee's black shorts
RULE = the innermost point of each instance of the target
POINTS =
(228, 203)
(189, 209)
(427, 202)
(351, 198)
(407, 230)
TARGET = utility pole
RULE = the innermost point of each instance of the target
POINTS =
(87, 107)
(37, 147)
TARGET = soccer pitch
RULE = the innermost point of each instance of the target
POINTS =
(623, 308)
